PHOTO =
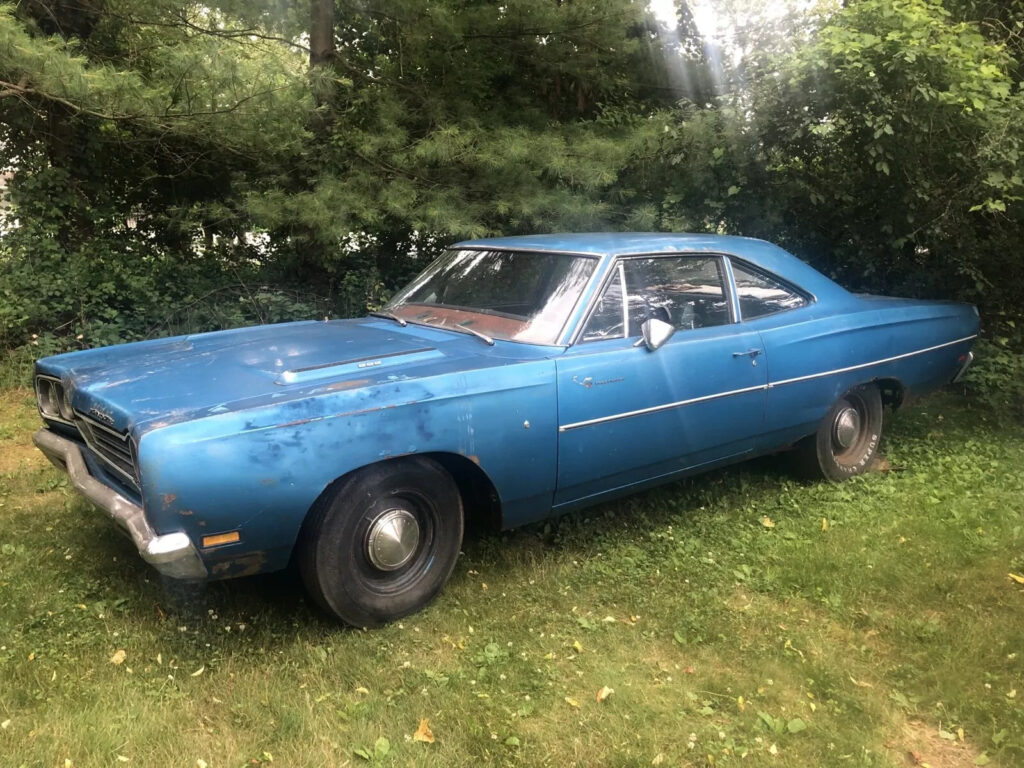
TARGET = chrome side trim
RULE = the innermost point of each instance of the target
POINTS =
(848, 368)
(173, 554)
(625, 300)
(734, 296)
(664, 407)
(769, 385)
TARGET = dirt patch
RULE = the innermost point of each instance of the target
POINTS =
(928, 745)
(18, 420)
(881, 463)
(19, 456)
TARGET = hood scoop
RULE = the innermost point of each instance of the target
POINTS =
(342, 368)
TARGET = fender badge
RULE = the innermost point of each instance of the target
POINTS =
(102, 415)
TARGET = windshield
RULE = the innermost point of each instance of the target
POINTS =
(514, 295)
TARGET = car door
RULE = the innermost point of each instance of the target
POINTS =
(628, 415)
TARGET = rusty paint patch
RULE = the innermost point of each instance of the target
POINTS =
(341, 386)
(297, 422)
(245, 565)
(169, 499)
(474, 458)
(345, 415)
(185, 512)
(175, 417)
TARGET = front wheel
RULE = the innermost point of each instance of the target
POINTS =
(847, 438)
(382, 543)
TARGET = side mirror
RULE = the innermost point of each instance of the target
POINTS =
(655, 333)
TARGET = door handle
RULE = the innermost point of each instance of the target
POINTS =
(751, 353)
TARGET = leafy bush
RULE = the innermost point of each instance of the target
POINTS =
(996, 379)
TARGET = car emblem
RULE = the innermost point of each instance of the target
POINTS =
(102, 415)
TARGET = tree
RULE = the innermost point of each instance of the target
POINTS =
(160, 147)
(879, 140)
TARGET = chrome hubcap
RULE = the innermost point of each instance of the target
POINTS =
(392, 539)
(846, 427)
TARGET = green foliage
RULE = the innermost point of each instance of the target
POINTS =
(996, 379)
(880, 141)
(180, 166)
(894, 140)
(164, 150)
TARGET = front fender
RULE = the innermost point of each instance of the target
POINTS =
(259, 471)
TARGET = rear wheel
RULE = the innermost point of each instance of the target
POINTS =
(382, 543)
(847, 438)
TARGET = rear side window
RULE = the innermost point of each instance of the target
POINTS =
(760, 294)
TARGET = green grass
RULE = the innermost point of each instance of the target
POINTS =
(871, 626)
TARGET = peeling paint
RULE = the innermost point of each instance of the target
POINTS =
(344, 415)
(245, 565)
(341, 386)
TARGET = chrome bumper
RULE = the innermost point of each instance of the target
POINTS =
(173, 554)
(963, 368)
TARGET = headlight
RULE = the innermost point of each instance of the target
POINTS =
(53, 401)
(64, 404)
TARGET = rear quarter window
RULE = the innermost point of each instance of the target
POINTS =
(761, 294)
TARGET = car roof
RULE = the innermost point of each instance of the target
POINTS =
(613, 243)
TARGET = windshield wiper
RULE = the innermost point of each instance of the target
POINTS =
(389, 316)
(467, 329)
(460, 328)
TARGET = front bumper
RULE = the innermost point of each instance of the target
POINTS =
(173, 554)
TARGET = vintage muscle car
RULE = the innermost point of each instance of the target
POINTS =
(515, 378)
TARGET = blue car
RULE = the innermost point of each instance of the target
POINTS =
(514, 379)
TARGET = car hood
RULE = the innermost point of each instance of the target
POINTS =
(152, 383)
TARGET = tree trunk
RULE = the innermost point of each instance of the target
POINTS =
(321, 33)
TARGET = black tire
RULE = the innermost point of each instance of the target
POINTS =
(341, 545)
(841, 450)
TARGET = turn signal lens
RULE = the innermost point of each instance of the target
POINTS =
(221, 538)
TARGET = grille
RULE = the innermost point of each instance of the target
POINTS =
(111, 446)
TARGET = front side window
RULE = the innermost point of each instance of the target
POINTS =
(514, 295)
(686, 291)
(760, 294)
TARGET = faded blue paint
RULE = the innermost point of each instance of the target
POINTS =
(244, 429)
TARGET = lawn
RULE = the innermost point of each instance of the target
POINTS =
(741, 618)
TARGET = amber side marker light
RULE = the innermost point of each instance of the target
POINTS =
(221, 538)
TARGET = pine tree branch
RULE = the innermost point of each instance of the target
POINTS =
(234, 35)
(24, 92)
